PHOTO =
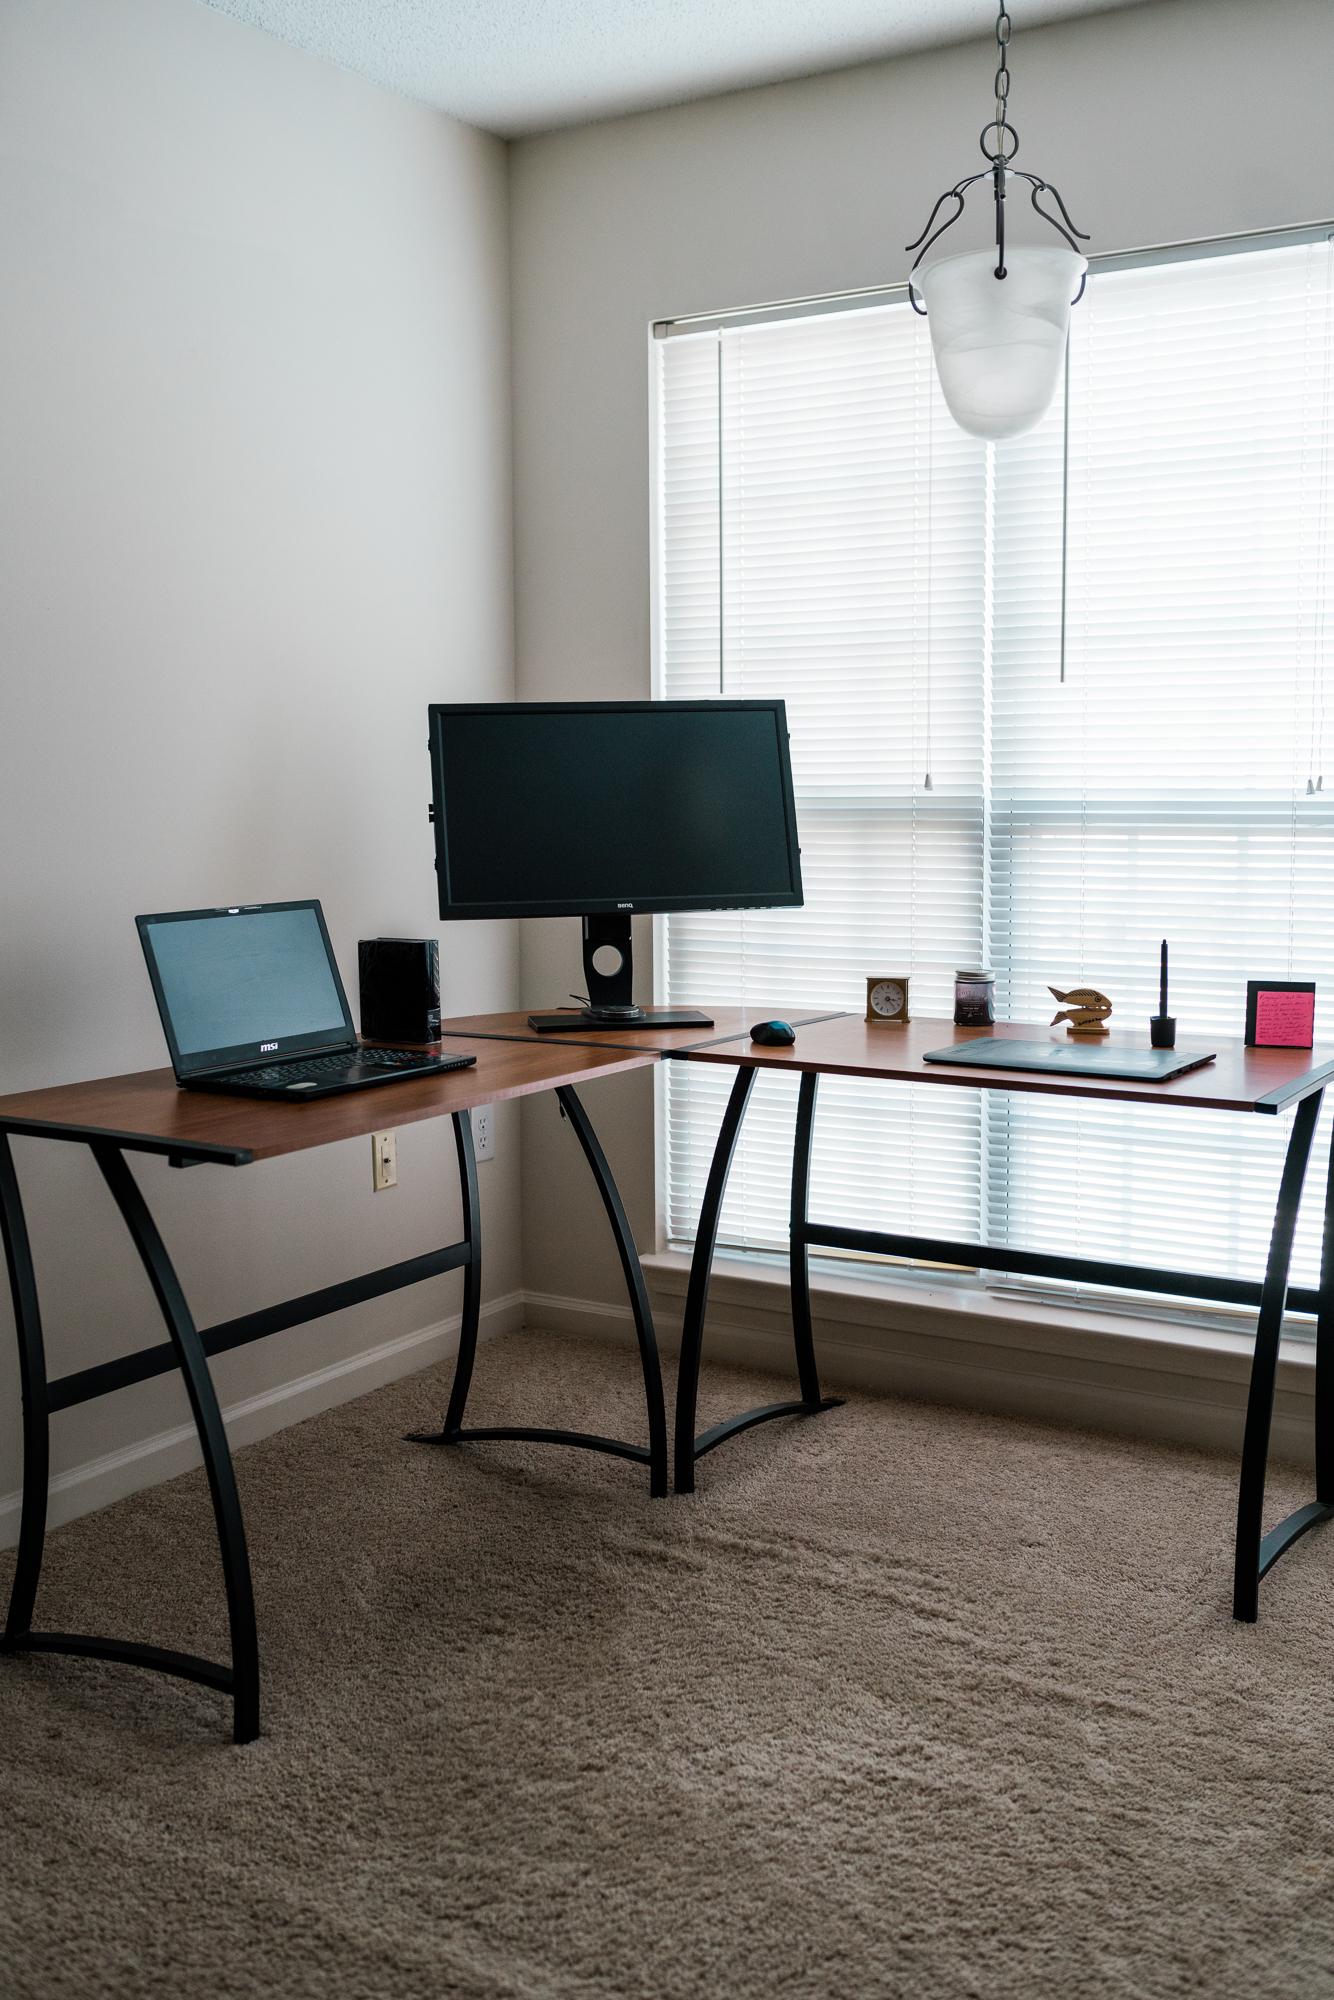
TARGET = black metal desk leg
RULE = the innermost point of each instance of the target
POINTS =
(799, 1261)
(1253, 1558)
(701, 1269)
(453, 1431)
(1324, 1352)
(212, 1436)
(688, 1446)
(634, 1285)
(32, 1386)
(472, 1275)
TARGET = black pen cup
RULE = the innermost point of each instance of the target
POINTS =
(1163, 1030)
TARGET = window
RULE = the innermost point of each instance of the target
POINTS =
(1137, 755)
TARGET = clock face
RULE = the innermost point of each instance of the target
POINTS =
(887, 997)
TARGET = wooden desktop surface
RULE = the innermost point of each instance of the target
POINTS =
(1241, 1079)
(513, 1061)
(729, 1024)
(149, 1103)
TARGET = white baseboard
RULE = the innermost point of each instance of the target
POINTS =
(592, 1319)
(1076, 1367)
(85, 1488)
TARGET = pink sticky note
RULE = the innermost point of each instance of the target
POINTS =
(1284, 1020)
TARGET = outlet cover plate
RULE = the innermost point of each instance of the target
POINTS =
(484, 1131)
(384, 1161)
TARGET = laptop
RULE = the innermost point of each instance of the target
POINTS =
(251, 1003)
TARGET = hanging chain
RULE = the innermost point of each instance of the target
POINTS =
(1002, 128)
(1000, 124)
(1002, 70)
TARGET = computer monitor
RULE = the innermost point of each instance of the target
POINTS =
(604, 809)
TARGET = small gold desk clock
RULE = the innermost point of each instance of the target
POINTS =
(887, 999)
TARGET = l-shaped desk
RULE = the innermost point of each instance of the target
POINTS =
(1241, 1079)
(146, 1113)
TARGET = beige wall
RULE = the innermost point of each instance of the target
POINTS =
(1183, 119)
(254, 514)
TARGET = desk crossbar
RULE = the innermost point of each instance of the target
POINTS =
(1047, 1264)
(69, 1390)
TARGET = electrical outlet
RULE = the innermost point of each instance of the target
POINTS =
(484, 1131)
(384, 1160)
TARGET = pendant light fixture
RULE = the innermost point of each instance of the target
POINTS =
(999, 319)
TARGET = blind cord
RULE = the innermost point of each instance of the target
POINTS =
(1065, 500)
(722, 557)
(927, 785)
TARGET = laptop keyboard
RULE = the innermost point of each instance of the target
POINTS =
(323, 1069)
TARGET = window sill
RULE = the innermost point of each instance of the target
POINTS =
(952, 1343)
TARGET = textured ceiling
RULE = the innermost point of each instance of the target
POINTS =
(515, 66)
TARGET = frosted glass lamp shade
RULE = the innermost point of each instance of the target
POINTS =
(999, 342)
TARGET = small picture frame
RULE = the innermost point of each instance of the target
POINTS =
(1280, 1013)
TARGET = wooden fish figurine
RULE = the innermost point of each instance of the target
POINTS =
(1086, 1010)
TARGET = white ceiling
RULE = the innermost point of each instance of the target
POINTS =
(516, 66)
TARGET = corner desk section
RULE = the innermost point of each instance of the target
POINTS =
(1241, 1079)
(147, 1113)
(726, 1026)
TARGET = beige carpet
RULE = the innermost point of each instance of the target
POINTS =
(907, 1702)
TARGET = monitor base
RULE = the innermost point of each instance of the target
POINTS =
(628, 1018)
(610, 989)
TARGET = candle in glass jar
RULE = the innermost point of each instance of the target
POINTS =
(974, 998)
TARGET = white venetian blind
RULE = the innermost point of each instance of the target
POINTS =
(822, 536)
(1162, 790)
(826, 533)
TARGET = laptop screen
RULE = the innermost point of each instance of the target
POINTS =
(240, 985)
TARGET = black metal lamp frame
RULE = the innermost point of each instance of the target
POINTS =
(189, 1348)
(1000, 166)
(958, 193)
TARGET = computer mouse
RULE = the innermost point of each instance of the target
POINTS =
(773, 1034)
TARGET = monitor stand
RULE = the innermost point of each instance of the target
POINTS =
(609, 1001)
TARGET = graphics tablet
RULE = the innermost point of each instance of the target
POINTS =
(1070, 1059)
